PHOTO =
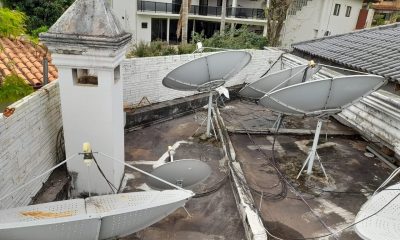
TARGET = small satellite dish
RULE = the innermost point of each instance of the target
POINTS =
(185, 173)
(208, 72)
(382, 215)
(321, 97)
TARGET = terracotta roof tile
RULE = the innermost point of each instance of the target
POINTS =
(24, 59)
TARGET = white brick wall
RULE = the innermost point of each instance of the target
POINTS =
(28, 143)
(143, 76)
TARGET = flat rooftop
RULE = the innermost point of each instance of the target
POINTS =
(330, 204)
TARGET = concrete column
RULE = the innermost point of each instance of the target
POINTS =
(168, 27)
(90, 90)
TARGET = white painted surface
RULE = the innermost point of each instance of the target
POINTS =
(143, 34)
(316, 18)
(143, 76)
(93, 114)
(28, 143)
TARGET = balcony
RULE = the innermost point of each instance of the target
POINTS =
(205, 10)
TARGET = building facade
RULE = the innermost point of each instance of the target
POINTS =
(310, 19)
(389, 9)
(306, 19)
(157, 20)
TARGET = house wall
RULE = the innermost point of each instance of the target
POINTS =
(316, 18)
(28, 143)
(143, 76)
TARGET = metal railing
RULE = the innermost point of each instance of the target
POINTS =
(237, 12)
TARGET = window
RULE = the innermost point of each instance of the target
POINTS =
(84, 77)
(144, 24)
(336, 11)
(348, 11)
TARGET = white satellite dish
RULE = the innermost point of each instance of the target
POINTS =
(185, 173)
(207, 73)
(93, 218)
(320, 98)
(326, 96)
(379, 217)
(260, 87)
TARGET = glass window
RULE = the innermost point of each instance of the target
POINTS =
(336, 11)
(348, 11)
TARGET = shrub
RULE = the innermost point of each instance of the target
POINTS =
(156, 48)
(13, 89)
(238, 39)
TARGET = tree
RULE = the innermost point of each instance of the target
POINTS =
(12, 23)
(182, 28)
(276, 16)
(40, 12)
(223, 15)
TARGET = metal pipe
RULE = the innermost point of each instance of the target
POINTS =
(209, 114)
(45, 71)
(314, 147)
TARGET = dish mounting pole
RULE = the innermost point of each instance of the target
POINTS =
(209, 114)
(313, 153)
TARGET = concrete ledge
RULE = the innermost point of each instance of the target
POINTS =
(158, 112)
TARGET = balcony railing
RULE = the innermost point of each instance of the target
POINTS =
(238, 12)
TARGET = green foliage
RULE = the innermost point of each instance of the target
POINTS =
(186, 48)
(12, 23)
(13, 89)
(35, 33)
(238, 39)
(40, 12)
(152, 49)
(379, 19)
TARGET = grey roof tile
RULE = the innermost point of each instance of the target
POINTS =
(375, 50)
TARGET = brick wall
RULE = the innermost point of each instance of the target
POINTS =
(27, 143)
(143, 76)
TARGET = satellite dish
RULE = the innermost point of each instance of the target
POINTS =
(185, 173)
(206, 74)
(381, 221)
(321, 97)
(277, 80)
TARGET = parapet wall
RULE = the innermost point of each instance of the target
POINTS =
(143, 76)
(28, 143)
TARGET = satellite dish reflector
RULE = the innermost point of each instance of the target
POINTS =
(184, 173)
(91, 218)
(384, 224)
(277, 80)
(326, 96)
(207, 73)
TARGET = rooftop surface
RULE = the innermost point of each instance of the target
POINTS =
(374, 50)
(24, 59)
(334, 202)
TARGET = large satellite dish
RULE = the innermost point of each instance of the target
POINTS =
(206, 74)
(379, 217)
(91, 218)
(183, 173)
(277, 80)
(321, 97)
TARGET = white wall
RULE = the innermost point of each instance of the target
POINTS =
(125, 11)
(28, 143)
(317, 17)
(143, 34)
(143, 76)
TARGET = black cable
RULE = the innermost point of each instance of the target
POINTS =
(113, 188)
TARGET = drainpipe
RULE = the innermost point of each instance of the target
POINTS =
(45, 71)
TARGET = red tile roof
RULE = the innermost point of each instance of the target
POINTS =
(24, 59)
